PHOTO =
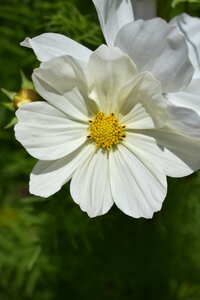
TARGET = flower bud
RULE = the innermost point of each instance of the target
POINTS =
(25, 96)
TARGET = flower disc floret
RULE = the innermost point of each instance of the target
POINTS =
(106, 130)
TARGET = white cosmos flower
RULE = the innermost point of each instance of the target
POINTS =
(190, 96)
(144, 9)
(107, 122)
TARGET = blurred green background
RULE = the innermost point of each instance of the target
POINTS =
(49, 248)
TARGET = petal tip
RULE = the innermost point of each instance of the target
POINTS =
(26, 43)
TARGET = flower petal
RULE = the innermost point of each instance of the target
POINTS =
(113, 15)
(176, 155)
(50, 45)
(157, 47)
(184, 120)
(188, 98)
(138, 187)
(46, 132)
(185, 148)
(145, 106)
(61, 82)
(109, 70)
(48, 177)
(90, 185)
(144, 9)
(63, 73)
(138, 118)
(190, 28)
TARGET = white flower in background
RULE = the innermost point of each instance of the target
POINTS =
(109, 121)
(190, 96)
(144, 9)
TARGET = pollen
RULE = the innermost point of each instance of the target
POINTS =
(106, 131)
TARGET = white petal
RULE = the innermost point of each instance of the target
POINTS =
(63, 73)
(158, 47)
(50, 45)
(61, 82)
(188, 98)
(138, 118)
(176, 155)
(187, 149)
(138, 187)
(184, 120)
(46, 132)
(113, 15)
(190, 28)
(109, 70)
(48, 177)
(144, 9)
(90, 185)
(145, 106)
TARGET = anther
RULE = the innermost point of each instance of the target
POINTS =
(105, 131)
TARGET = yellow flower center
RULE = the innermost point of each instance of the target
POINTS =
(106, 130)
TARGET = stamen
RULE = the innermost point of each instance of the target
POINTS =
(106, 130)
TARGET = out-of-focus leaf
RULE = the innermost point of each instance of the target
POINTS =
(176, 2)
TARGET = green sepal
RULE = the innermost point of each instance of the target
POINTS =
(10, 94)
(11, 123)
(8, 105)
(26, 83)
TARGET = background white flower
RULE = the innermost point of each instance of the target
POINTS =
(157, 43)
(133, 81)
(190, 29)
(144, 9)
